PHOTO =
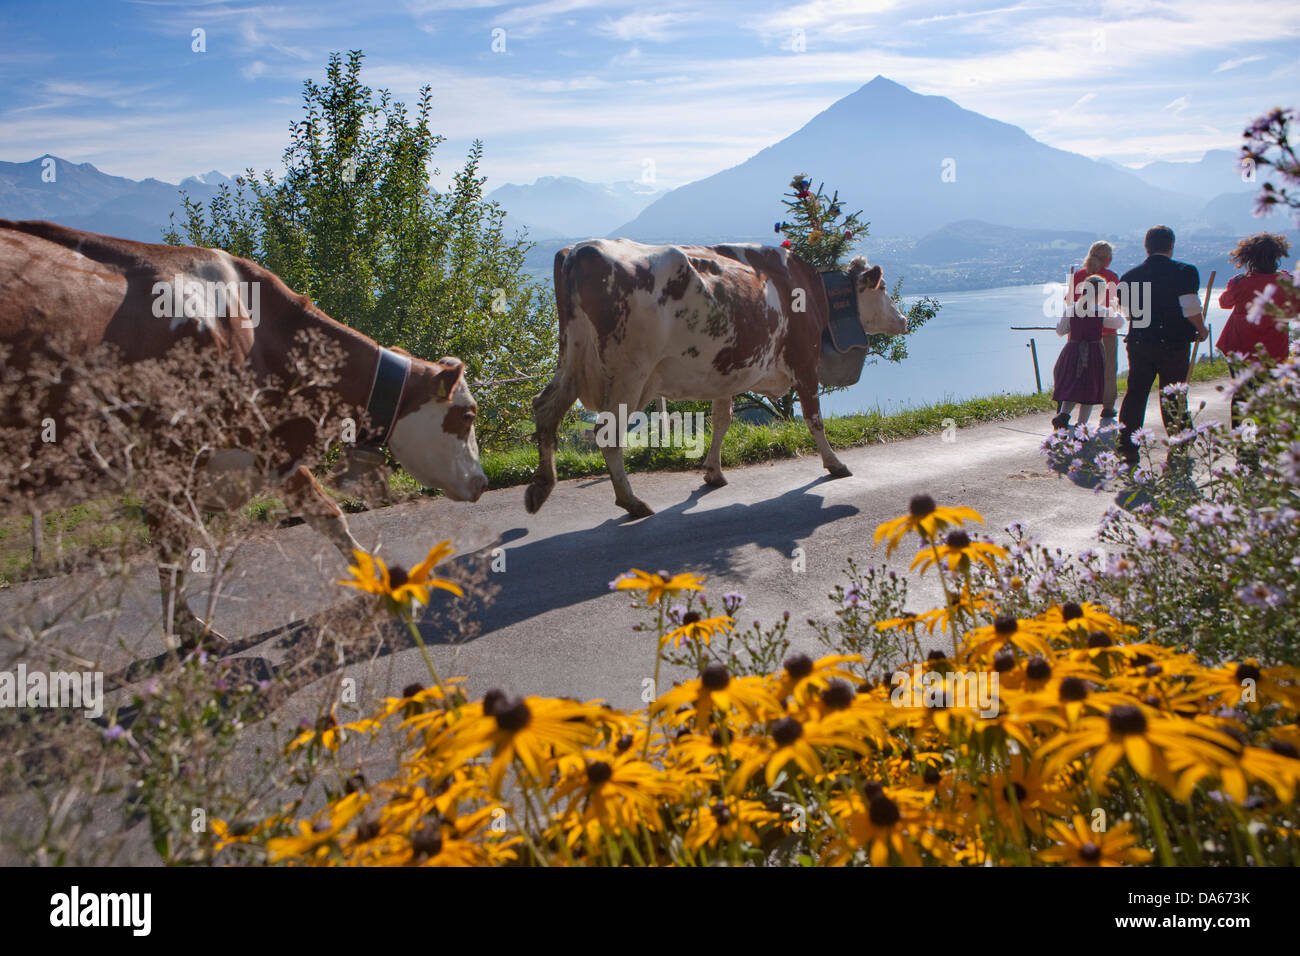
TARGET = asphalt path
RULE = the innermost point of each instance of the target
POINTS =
(554, 627)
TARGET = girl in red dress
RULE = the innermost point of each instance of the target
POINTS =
(1259, 255)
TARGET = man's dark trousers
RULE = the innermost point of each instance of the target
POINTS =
(1147, 362)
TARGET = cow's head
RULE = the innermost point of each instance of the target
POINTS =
(875, 308)
(433, 436)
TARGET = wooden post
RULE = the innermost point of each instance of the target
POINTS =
(1038, 381)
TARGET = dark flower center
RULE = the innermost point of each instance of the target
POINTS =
(1090, 852)
(1038, 668)
(838, 695)
(599, 772)
(1071, 610)
(931, 775)
(958, 540)
(872, 789)
(883, 811)
(715, 677)
(799, 666)
(493, 699)
(410, 690)
(624, 742)
(935, 655)
(721, 814)
(367, 830)
(1004, 660)
(1005, 626)
(1248, 672)
(397, 576)
(865, 686)
(921, 506)
(716, 736)
(1284, 748)
(1142, 660)
(1153, 669)
(1073, 688)
(1018, 789)
(513, 717)
(1126, 719)
(786, 731)
(690, 617)
(354, 783)
(1098, 639)
(427, 841)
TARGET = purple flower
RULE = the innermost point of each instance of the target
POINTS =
(1261, 595)
(116, 732)
(732, 600)
(1289, 462)
(852, 596)
(1256, 311)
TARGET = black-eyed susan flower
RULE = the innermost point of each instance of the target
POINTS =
(397, 585)
(881, 821)
(726, 821)
(958, 552)
(696, 629)
(803, 678)
(1144, 737)
(1080, 845)
(925, 518)
(532, 729)
(657, 586)
(716, 690)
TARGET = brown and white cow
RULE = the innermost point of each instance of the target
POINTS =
(56, 281)
(689, 322)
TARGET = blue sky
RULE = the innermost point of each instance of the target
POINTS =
(595, 88)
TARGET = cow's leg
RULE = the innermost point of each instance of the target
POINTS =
(182, 628)
(812, 414)
(623, 496)
(305, 496)
(549, 409)
(721, 421)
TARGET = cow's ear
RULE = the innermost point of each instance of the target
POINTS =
(445, 382)
(871, 278)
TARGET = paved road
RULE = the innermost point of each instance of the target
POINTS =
(555, 628)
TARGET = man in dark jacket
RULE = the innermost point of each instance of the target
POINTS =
(1161, 299)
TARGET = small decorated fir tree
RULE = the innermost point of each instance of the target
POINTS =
(818, 231)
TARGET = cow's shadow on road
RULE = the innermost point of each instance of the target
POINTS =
(562, 570)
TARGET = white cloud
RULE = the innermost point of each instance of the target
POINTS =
(1238, 61)
(653, 27)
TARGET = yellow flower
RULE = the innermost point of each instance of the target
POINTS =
(695, 628)
(958, 552)
(372, 576)
(716, 689)
(1080, 846)
(534, 729)
(793, 741)
(728, 820)
(658, 585)
(803, 678)
(879, 822)
(926, 519)
(1144, 737)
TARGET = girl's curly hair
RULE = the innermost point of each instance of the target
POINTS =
(1260, 252)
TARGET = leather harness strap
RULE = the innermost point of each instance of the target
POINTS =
(391, 372)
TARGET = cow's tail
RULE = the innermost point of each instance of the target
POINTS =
(550, 407)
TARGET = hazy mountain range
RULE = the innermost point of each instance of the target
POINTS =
(887, 149)
(954, 199)
(557, 207)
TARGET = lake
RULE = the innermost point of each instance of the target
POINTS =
(969, 350)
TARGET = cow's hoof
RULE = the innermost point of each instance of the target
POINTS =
(535, 497)
(715, 479)
(840, 471)
(637, 509)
